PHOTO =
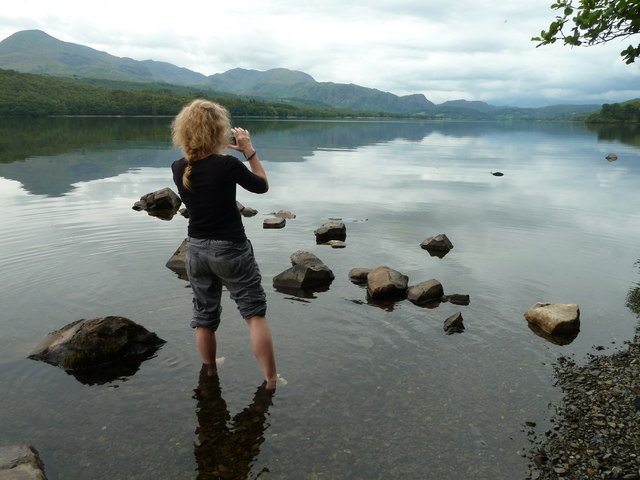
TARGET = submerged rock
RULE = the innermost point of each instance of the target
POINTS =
(285, 214)
(336, 244)
(177, 261)
(21, 462)
(87, 344)
(453, 324)
(386, 283)
(163, 203)
(331, 231)
(439, 244)
(612, 157)
(424, 293)
(456, 299)
(555, 318)
(359, 275)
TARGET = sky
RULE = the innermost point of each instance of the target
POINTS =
(444, 49)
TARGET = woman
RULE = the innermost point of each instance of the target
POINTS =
(219, 252)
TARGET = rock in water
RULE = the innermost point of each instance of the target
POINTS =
(163, 203)
(555, 318)
(437, 243)
(275, 222)
(386, 283)
(177, 261)
(285, 214)
(497, 174)
(86, 344)
(331, 231)
(359, 275)
(307, 272)
(453, 324)
(612, 157)
(425, 293)
(21, 462)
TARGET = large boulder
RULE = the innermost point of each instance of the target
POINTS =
(87, 344)
(426, 293)
(163, 203)
(385, 283)
(438, 244)
(555, 318)
(307, 272)
(331, 231)
(21, 462)
(176, 262)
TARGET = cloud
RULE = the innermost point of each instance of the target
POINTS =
(445, 50)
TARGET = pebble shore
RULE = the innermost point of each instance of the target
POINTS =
(596, 426)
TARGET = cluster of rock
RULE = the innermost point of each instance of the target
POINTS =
(279, 219)
(558, 323)
(384, 283)
(595, 430)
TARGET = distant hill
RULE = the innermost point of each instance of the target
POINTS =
(283, 84)
(34, 51)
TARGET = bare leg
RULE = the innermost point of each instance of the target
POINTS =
(262, 346)
(206, 345)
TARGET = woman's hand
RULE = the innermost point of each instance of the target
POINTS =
(243, 141)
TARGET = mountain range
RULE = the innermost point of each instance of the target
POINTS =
(34, 51)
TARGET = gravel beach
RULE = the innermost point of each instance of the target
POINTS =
(596, 426)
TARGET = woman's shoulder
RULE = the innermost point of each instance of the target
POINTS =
(179, 165)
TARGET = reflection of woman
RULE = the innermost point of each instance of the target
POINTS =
(224, 451)
(219, 252)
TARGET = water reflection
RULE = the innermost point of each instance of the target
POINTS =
(629, 134)
(555, 339)
(226, 451)
(119, 371)
(49, 155)
(633, 297)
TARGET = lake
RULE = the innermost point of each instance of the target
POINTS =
(373, 391)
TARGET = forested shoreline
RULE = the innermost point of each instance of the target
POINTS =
(32, 95)
(24, 94)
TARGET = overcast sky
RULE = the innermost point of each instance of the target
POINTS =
(447, 50)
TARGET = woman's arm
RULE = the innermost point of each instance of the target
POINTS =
(243, 144)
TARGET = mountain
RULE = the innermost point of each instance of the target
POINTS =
(471, 105)
(34, 51)
(283, 84)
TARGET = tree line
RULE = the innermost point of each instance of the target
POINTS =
(23, 94)
(627, 112)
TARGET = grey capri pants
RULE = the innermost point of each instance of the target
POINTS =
(213, 263)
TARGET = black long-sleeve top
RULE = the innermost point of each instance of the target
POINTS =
(211, 202)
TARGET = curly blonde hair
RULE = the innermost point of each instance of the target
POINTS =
(200, 129)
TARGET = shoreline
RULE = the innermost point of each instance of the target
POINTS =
(596, 425)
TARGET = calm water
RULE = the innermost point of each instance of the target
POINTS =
(372, 392)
